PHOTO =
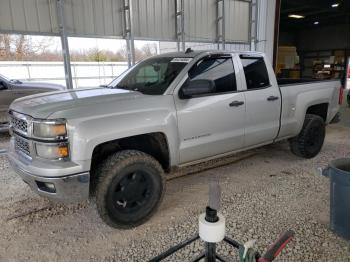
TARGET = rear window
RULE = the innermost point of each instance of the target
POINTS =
(255, 71)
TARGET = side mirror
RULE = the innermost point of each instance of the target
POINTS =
(196, 88)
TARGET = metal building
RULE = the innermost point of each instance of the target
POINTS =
(225, 24)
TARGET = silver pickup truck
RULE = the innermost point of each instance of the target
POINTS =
(117, 143)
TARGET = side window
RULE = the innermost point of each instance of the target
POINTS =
(219, 71)
(255, 71)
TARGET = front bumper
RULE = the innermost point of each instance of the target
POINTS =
(67, 189)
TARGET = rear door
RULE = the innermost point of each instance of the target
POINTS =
(212, 123)
(263, 101)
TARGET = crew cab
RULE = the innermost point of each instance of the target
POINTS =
(118, 143)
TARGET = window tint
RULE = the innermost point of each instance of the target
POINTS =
(218, 70)
(255, 72)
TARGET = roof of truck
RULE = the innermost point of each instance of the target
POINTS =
(193, 53)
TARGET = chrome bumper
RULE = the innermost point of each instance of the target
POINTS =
(71, 188)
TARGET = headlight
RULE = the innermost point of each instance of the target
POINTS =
(52, 151)
(54, 130)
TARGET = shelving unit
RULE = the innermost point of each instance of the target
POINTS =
(325, 64)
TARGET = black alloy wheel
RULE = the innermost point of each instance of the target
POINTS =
(130, 188)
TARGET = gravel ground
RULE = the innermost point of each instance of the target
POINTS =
(263, 195)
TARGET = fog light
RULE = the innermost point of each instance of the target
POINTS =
(50, 186)
(46, 186)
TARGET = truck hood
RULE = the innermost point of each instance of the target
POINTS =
(45, 104)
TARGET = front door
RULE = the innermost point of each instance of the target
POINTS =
(211, 123)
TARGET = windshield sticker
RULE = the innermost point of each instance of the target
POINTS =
(181, 60)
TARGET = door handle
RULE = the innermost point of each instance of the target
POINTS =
(236, 103)
(272, 98)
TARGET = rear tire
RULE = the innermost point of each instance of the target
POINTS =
(130, 188)
(311, 137)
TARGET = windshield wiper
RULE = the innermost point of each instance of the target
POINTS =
(150, 83)
(15, 81)
(121, 87)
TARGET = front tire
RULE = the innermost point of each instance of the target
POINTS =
(311, 137)
(130, 188)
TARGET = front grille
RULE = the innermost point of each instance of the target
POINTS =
(22, 145)
(19, 124)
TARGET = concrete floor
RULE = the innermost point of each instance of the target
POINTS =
(345, 115)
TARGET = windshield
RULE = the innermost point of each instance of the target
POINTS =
(4, 78)
(151, 77)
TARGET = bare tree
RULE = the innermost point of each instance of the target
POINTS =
(22, 47)
(149, 49)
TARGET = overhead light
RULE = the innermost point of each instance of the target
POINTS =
(316, 23)
(335, 5)
(296, 16)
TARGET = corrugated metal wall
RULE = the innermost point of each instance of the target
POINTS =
(165, 47)
(200, 20)
(94, 17)
(266, 27)
(152, 19)
(237, 21)
(32, 16)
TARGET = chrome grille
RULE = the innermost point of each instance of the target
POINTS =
(22, 145)
(19, 124)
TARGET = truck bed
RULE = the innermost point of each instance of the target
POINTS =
(288, 81)
(298, 95)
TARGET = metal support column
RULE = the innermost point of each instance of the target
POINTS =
(253, 30)
(177, 23)
(128, 32)
(182, 32)
(223, 25)
(220, 23)
(64, 43)
(180, 25)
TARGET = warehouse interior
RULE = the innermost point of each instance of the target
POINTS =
(313, 39)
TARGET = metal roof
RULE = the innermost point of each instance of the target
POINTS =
(151, 19)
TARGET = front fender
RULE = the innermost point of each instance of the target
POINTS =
(89, 133)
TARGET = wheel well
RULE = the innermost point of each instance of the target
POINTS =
(319, 110)
(154, 144)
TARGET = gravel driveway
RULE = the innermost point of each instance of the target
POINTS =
(262, 196)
